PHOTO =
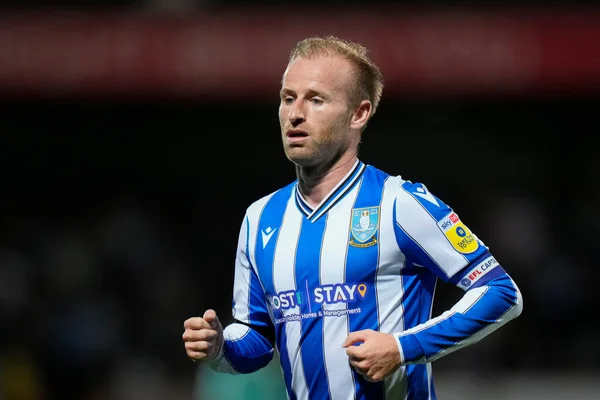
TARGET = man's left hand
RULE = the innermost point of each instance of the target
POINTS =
(373, 354)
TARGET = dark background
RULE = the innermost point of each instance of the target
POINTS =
(120, 220)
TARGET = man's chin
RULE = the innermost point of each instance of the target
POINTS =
(301, 157)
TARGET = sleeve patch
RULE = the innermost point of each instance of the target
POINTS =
(474, 275)
(457, 233)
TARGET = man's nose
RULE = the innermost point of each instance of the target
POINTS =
(296, 115)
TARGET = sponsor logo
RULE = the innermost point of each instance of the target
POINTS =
(478, 272)
(458, 234)
(323, 294)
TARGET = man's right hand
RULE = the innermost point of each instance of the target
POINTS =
(203, 337)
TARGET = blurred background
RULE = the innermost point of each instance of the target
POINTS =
(135, 134)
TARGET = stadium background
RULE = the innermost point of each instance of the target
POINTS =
(135, 134)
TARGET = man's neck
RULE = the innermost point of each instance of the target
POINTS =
(317, 182)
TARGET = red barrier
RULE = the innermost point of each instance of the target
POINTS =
(240, 55)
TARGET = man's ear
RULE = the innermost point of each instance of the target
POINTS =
(361, 115)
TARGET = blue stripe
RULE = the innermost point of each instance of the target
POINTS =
(361, 268)
(249, 353)
(257, 306)
(414, 252)
(308, 265)
(272, 217)
(418, 285)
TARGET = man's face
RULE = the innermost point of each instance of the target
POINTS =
(315, 112)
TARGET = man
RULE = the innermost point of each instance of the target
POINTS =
(338, 269)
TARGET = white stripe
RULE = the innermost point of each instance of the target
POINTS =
(241, 280)
(234, 332)
(421, 226)
(254, 212)
(389, 282)
(333, 261)
(284, 278)
(429, 376)
(241, 286)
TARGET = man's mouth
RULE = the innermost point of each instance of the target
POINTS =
(296, 135)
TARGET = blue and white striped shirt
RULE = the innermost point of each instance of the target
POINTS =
(367, 257)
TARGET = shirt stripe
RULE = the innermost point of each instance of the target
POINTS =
(389, 283)
(361, 263)
(307, 270)
(335, 329)
(272, 218)
(284, 280)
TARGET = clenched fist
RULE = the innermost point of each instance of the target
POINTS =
(376, 356)
(203, 337)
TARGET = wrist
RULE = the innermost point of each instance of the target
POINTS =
(221, 351)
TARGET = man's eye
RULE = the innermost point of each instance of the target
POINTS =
(317, 101)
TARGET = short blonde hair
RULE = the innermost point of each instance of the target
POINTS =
(369, 83)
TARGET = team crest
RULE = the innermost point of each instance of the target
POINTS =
(363, 226)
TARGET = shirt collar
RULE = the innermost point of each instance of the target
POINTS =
(336, 194)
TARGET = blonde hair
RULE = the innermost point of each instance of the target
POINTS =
(369, 82)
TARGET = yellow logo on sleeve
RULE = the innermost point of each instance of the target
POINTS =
(461, 238)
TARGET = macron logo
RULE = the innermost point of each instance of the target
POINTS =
(266, 235)
(423, 193)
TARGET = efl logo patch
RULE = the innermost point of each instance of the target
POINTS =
(478, 272)
(458, 234)
(363, 226)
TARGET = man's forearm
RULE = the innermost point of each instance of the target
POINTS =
(480, 312)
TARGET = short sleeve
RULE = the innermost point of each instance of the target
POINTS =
(432, 235)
